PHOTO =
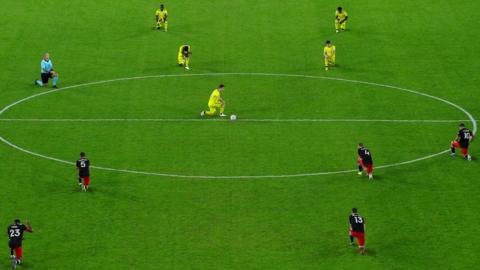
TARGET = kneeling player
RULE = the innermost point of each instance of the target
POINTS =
(215, 103)
(341, 18)
(15, 235)
(365, 161)
(329, 54)
(184, 56)
(161, 15)
(463, 140)
(47, 72)
(83, 169)
(357, 229)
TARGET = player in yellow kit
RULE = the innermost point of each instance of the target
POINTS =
(162, 18)
(184, 56)
(341, 18)
(215, 102)
(329, 54)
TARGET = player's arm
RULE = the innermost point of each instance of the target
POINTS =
(345, 19)
(44, 67)
(325, 53)
(220, 100)
(457, 139)
(28, 227)
(166, 16)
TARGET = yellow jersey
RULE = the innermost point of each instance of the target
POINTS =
(329, 50)
(161, 14)
(341, 16)
(214, 98)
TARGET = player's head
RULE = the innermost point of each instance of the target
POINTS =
(462, 125)
(360, 145)
(340, 9)
(221, 87)
(162, 6)
(82, 154)
(17, 221)
(354, 210)
(46, 56)
(328, 43)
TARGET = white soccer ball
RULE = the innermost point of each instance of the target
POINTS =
(233, 117)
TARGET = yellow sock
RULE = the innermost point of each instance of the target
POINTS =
(165, 25)
(222, 109)
(187, 61)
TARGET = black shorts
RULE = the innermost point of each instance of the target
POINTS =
(464, 144)
(367, 162)
(13, 243)
(46, 77)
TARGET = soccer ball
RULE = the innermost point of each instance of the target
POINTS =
(233, 117)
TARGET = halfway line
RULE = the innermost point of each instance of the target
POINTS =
(219, 119)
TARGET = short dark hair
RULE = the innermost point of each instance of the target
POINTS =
(339, 8)
(462, 125)
(221, 86)
(17, 220)
(354, 210)
(82, 154)
(328, 42)
(360, 144)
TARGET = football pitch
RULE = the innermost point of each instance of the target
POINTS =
(270, 190)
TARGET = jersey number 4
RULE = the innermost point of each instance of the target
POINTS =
(14, 232)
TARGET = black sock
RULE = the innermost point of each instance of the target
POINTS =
(360, 168)
(79, 180)
(351, 239)
(453, 150)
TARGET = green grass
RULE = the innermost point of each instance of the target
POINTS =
(419, 216)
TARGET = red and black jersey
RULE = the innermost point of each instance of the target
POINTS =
(357, 223)
(365, 155)
(464, 137)
(15, 234)
(83, 166)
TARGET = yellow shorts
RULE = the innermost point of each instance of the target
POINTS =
(182, 59)
(339, 25)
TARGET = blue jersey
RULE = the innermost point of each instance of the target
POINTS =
(47, 66)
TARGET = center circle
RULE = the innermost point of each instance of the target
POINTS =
(284, 76)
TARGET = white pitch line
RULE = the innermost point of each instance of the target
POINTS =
(222, 120)
(469, 115)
